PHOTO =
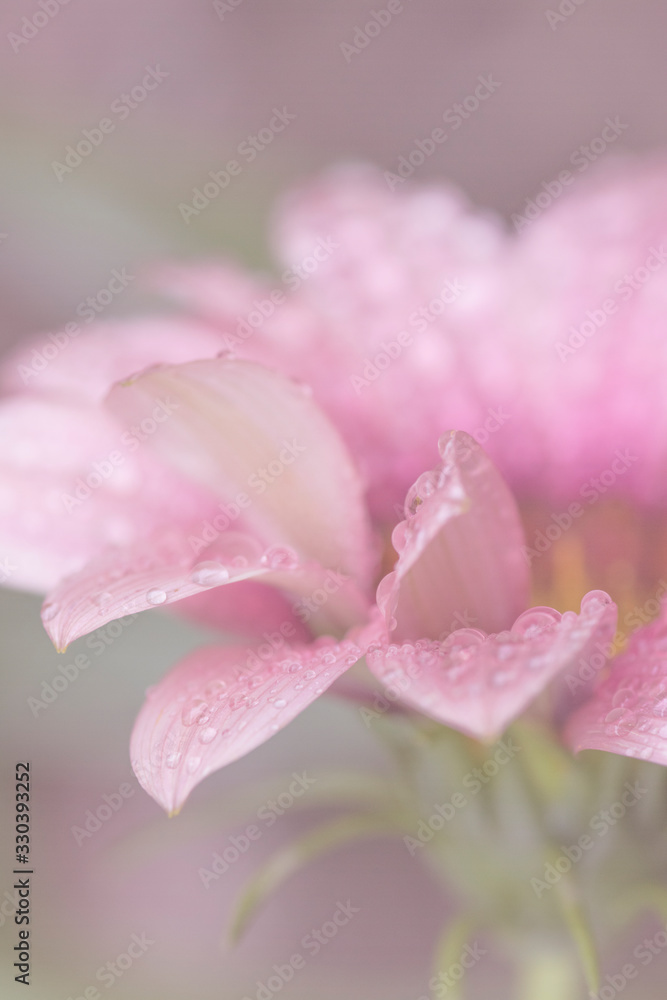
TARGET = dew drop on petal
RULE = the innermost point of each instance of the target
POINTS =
(208, 735)
(156, 597)
(209, 574)
(173, 760)
(49, 611)
(280, 557)
(280, 703)
(195, 712)
(193, 764)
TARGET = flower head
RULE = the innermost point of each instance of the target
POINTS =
(250, 463)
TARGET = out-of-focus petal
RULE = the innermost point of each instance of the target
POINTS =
(383, 302)
(86, 365)
(258, 440)
(220, 703)
(251, 609)
(627, 713)
(72, 483)
(460, 550)
(479, 684)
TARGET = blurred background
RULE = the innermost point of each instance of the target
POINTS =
(182, 84)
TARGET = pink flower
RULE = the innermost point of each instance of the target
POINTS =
(236, 482)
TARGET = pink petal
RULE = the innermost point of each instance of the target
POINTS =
(460, 550)
(627, 714)
(479, 684)
(51, 521)
(85, 366)
(167, 567)
(258, 439)
(219, 704)
(250, 609)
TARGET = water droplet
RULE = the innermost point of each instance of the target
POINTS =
(621, 696)
(280, 557)
(195, 712)
(193, 764)
(173, 760)
(595, 601)
(209, 574)
(216, 689)
(614, 715)
(208, 735)
(280, 703)
(534, 621)
(309, 674)
(104, 598)
(156, 597)
(49, 611)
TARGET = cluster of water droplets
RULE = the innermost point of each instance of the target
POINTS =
(202, 716)
(637, 699)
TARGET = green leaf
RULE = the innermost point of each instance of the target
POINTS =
(290, 859)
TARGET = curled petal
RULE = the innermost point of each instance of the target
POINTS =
(627, 713)
(219, 704)
(478, 683)
(258, 440)
(460, 550)
(166, 567)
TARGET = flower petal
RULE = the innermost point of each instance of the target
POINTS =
(259, 440)
(85, 365)
(70, 486)
(219, 704)
(167, 567)
(479, 684)
(627, 713)
(460, 550)
(250, 608)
